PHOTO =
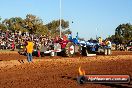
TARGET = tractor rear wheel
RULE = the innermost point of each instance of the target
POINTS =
(85, 51)
(70, 49)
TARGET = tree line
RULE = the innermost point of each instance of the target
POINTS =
(123, 34)
(34, 25)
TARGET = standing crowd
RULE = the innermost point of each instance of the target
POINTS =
(12, 41)
(25, 41)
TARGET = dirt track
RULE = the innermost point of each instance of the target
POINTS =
(61, 72)
(13, 55)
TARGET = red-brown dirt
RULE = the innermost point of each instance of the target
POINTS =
(60, 72)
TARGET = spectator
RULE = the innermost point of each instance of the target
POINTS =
(29, 49)
(13, 45)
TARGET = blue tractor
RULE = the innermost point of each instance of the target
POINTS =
(94, 47)
(87, 48)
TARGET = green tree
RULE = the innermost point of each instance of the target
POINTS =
(35, 25)
(42, 30)
(2, 26)
(54, 29)
(123, 34)
(14, 24)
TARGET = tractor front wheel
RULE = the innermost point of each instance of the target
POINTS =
(70, 49)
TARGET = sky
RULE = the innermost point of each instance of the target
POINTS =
(90, 18)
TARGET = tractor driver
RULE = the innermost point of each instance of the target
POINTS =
(70, 36)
